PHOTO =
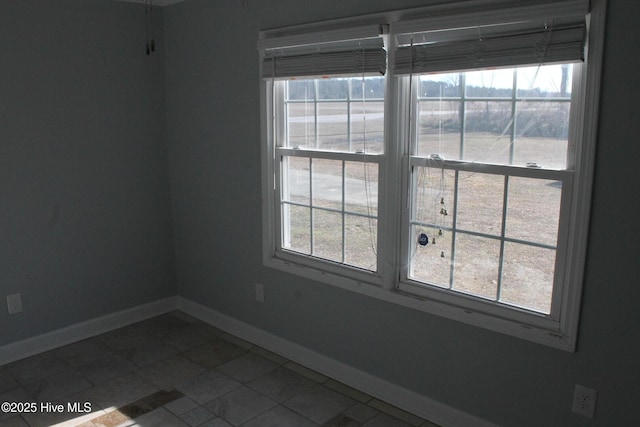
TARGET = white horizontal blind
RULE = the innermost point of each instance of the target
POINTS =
(491, 46)
(359, 56)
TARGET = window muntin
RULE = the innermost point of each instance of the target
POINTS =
(495, 228)
(329, 166)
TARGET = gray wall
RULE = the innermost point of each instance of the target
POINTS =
(214, 152)
(85, 224)
(86, 218)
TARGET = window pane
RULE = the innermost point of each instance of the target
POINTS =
(545, 81)
(527, 278)
(433, 197)
(367, 126)
(476, 266)
(301, 125)
(332, 88)
(489, 83)
(487, 132)
(533, 210)
(333, 126)
(300, 90)
(361, 188)
(542, 121)
(373, 87)
(327, 235)
(480, 200)
(296, 175)
(440, 86)
(431, 263)
(296, 228)
(439, 128)
(542, 131)
(327, 183)
(361, 241)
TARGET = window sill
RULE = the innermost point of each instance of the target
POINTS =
(537, 329)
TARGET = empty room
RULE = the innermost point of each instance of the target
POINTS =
(319, 213)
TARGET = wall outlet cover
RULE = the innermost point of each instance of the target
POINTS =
(584, 401)
(14, 303)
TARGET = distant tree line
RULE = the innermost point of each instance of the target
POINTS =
(338, 89)
(436, 89)
(546, 119)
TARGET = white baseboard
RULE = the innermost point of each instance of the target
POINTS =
(407, 400)
(80, 331)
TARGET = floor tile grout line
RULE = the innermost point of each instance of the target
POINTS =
(163, 329)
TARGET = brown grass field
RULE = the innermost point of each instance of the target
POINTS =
(522, 275)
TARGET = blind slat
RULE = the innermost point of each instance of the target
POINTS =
(354, 57)
(496, 48)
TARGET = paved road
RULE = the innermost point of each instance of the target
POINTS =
(329, 188)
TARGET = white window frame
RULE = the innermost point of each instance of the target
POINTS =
(352, 156)
(389, 282)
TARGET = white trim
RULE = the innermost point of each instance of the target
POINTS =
(403, 398)
(267, 156)
(582, 191)
(505, 320)
(330, 155)
(361, 281)
(83, 330)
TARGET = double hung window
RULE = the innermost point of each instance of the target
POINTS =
(487, 183)
(328, 142)
(488, 155)
(445, 160)
(329, 164)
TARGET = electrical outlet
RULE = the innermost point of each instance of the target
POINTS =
(14, 303)
(584, 401)
(259, 292)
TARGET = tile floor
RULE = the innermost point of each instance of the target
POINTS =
(174, 370)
